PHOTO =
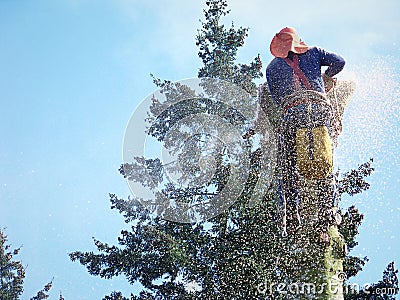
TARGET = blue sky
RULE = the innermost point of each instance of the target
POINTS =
(73, 71)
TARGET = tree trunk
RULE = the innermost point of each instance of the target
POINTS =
(311, 262)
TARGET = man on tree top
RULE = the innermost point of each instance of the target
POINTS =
(293, 58)
(297, 66)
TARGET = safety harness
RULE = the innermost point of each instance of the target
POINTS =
(298, 74)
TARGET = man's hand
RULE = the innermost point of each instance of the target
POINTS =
(329, 82)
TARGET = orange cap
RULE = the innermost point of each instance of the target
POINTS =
(287, 40)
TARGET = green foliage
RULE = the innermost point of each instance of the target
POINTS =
(352, 219)
(353, 182)
(42, 294)
(385, 289)
(231, 254)
(218, 49)
(116, 296)
(12, 274)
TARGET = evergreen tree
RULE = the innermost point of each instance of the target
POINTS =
(239, 253)
(12, 274)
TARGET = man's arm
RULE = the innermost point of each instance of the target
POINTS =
(333, 61)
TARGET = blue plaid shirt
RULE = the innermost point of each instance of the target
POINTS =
(280, 75)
